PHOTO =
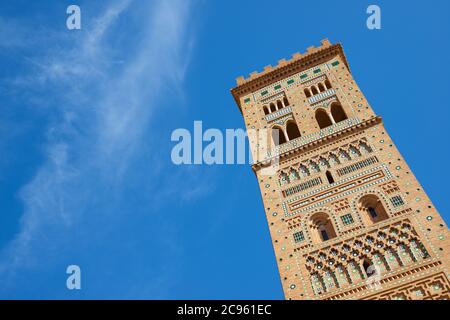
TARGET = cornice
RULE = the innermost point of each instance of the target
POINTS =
(318, 142)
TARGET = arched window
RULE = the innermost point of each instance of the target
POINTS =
(418, 249)
(327, 84)
(329, 177)
(344, 278)
(314, 166)
(292, 130)
(285, 101)
(321, 87)
(324, 162)
(354, 151)
(373, 208)
(279, 105)
(266, 110)
(323, 226)
(272, 107)
(344, 155)
(330, 279)
(307, 93)
(337, 112)
(278, 136)
(322, 118)
(314, 90)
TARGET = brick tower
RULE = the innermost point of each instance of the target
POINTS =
(347, 217)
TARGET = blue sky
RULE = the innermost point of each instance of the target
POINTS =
(86, 117)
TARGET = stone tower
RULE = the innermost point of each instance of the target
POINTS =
(347, 217)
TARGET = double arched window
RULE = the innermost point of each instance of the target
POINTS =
(337, 114)
(373, 209)
(322, 227)
(282, 135)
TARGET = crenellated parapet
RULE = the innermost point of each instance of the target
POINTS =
(283, 62)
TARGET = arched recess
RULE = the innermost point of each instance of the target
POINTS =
(337, 112)
(294, 174)
(266, 110)
(327, 84)
(285, 101)
(418, 249)
(284, 178)
(343, 276)
(314, 90)
(322, 118)
(330, 279)
(355, 271)
(272, 107)
(369, 268)
(292, 130)
(307, 93)
(354, 151)
(344, 155)
(278, 136)
(365, 147)
(334, 159)
(329, 177)
(321, 87)
(405, 254)
(380, 260)
(322, 227)
(372, 208)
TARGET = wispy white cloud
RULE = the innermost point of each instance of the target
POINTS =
(103, 110)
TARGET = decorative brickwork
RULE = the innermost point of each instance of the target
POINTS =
(347, 217)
